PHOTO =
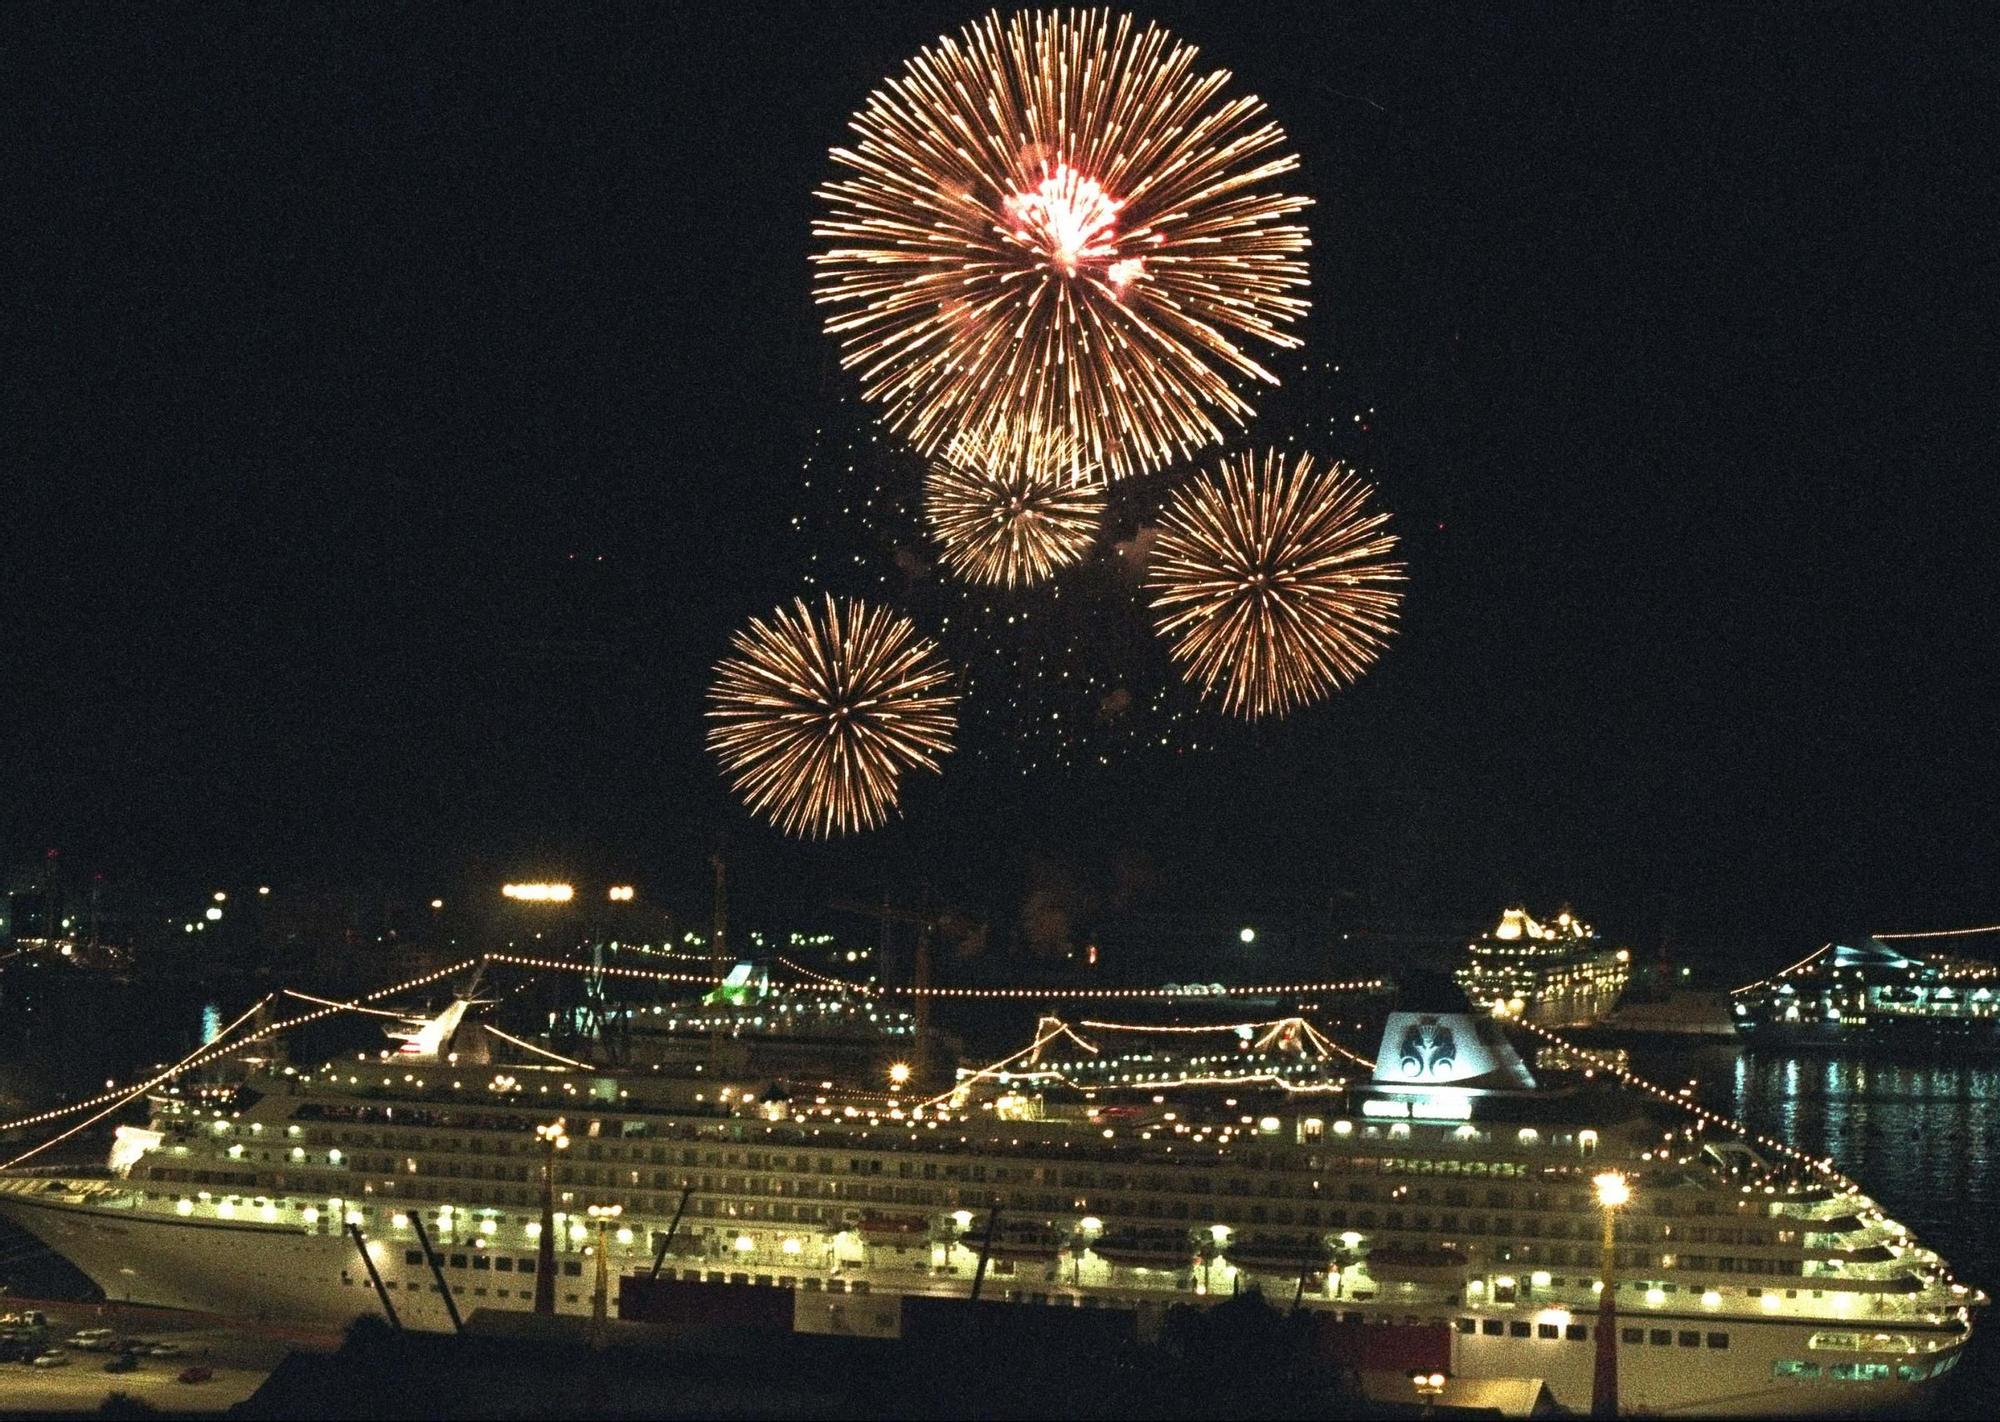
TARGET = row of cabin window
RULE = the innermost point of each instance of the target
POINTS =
(1863, 1372)
(1531, 1226)
(1580, 1332)
(505, 1265)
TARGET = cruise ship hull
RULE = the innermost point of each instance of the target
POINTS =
(279, 1274)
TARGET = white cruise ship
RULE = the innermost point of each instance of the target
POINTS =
(1447, 1192)
(1557, 974)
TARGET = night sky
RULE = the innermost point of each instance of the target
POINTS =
(405, 403)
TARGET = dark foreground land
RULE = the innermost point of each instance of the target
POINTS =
(1242, 1358)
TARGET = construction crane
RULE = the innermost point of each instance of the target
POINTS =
(886, 913)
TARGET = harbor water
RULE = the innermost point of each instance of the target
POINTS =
(1920, 1136)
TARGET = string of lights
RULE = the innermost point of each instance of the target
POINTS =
(1271, 1029)
(216, 1049)
(1048, 994)
(1785, 972)
(1059, 1027)
(1821, 1165)
(90, 1121)
(1186, 1027)
(817, 976)
(1945, 932)
(540, 1051)
(1042, 1039)
(1211, 990)
(334, 1002)
(1326, 1045)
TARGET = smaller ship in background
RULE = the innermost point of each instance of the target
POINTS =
(1874, 994)
(1555, 974)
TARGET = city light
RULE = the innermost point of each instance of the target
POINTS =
(619, 893)
(540, 893)
(1612, 1189)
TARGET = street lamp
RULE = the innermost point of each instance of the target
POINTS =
(553, 1138)
(1613, 1191)
(1087, 1230)
(1429, 1386)
(602, 1216)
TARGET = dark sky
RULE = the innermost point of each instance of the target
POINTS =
(407, 400)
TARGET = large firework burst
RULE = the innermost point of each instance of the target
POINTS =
(819, 713)
(1272, 582)
(1053, 223)
(1009, 511)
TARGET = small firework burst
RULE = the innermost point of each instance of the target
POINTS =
(1013, 511)
(1054, 222)
(818, 714)
(1272, 582)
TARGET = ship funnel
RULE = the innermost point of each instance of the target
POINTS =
(1454, 1049)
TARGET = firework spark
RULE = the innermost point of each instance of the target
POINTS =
(1272, 583)
(1009, 512)
(819, 713)
(1052, 223)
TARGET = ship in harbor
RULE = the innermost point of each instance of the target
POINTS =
(1554, 974)
(1443, 1190)
(1874, 995)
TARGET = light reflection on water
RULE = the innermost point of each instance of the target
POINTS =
(1920, 1137)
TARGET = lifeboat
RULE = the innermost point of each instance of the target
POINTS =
(1415, 1264)
(1277, 1254)
(897, 1229)
(1037, 1244)
(1137, 1249)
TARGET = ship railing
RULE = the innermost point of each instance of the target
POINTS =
(63, 1172)
(1849, 1269)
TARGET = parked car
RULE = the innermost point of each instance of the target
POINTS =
(165, 1350)
(123, 1363)
(195, 1375)
(52, 1360)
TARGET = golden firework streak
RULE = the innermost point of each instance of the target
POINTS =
(1012, 511)
(1052, 224)
(818, 714)
(1272, 582)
